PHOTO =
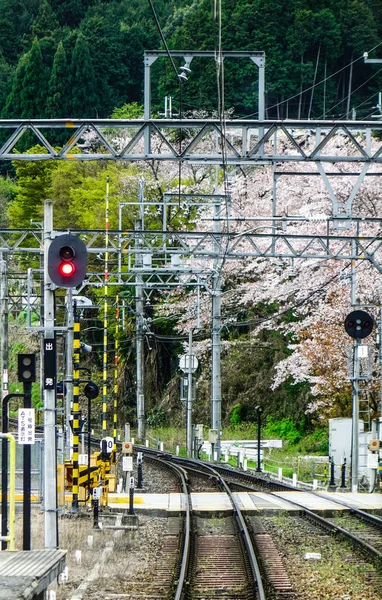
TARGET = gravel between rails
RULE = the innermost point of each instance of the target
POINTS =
(136, 555)
(339, 574)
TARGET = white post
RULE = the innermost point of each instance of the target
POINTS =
(50, 461)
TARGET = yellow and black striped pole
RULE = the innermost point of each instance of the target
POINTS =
(76, 409)
(105, 314)
(116, 359)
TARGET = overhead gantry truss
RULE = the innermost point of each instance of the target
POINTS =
(185, 255)
(209, 142)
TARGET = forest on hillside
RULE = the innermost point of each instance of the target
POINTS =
(84, 58)
(283, 343)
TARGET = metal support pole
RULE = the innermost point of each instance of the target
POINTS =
(89, 445)
(139, 337)
(95, 513)
(148, 61)
(355, 420)
(343, 474)
(131, 496)
(259, 411)
(4, 467)
(27, 470)
(4, 323)
(140, 471)
(355, 387)
(50, 461)
(332, 482)
(4, 474)
(216, 338)
(105, 316)
(4, 381)
(76, 411)
(12, 493)
(189, 397)
(69, 372)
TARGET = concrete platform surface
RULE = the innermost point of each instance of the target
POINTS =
(27, 574)
(250, 502)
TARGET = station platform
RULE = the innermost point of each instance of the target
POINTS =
(27, 574)
(250, 502)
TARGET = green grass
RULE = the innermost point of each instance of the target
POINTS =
(289, 457)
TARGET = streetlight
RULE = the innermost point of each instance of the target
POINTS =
(259, 410)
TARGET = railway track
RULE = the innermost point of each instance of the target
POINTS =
(221, 562)
(360, 529)
(212, 558)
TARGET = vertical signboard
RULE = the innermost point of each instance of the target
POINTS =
(49, 363)
(26, 426)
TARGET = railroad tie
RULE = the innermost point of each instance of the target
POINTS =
(272, 563)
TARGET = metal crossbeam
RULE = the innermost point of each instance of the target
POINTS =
(238, 143)
(160, 247)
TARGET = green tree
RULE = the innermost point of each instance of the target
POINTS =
(7, 195)
(57, 104)
(6, 73)
(13, 107)
(46, 21)
(33, 187)
(34, 90)
(84, 102)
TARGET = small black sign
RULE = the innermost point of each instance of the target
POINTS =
(49, 364)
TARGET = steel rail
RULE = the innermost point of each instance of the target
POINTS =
(328, 525)
(182, 474)
(256, 573)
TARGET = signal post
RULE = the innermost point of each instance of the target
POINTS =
(359, 325)
(64, 266)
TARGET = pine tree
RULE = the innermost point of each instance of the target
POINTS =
(34, 84)
(12, 108)
(57, 104)
(84, 102)
(46, 21)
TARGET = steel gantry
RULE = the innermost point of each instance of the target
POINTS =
(174, 257)
(246, 142)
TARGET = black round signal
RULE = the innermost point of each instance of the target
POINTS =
(359, 324)
(91, 390)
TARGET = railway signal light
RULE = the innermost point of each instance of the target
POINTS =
(61, 388)
(91, 390)
(359, 324)
(26, 367)
(67, 261)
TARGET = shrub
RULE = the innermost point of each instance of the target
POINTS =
(284, 429)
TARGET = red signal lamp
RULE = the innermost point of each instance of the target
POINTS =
(66, 269)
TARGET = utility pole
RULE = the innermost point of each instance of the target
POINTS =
(355, 393)
(139, 325)
(189, 396)
(50, 466)
(4, 323)
(216, 340)
(69, 371)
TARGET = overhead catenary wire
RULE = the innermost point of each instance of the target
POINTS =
(162, 37)
(324, 80)
(353, 92)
